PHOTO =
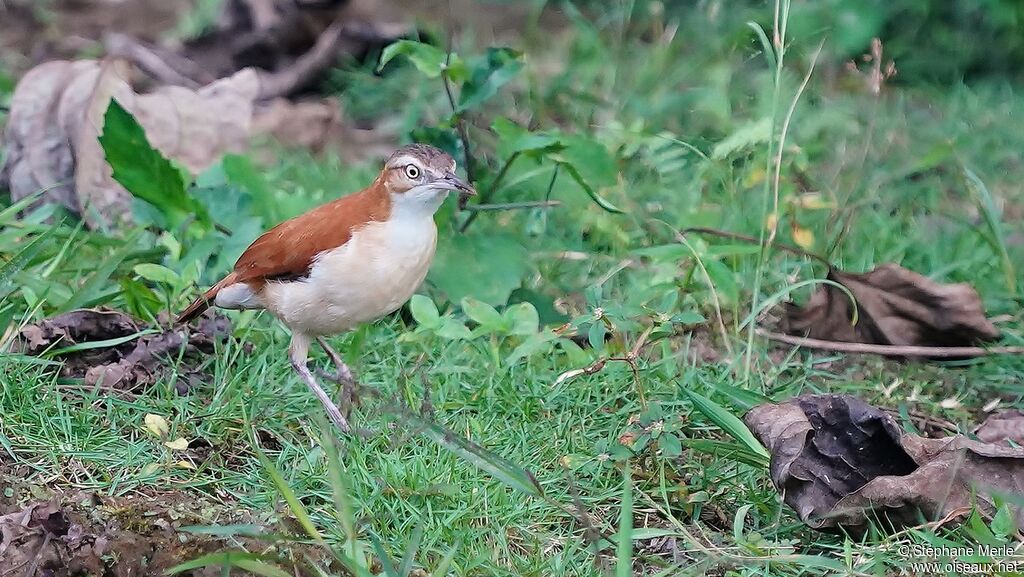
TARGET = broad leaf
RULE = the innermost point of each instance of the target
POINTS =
(497, 69)
(429, 60)
(143, 170)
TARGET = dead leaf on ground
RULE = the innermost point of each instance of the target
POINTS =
(57, 115)
(895, 306)
(126, 366)
(68, 532)
(840, 462)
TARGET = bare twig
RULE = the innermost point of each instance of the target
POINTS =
(513, 205)
(306, 68)
(890, 350)
(162, 65)
(460, 125)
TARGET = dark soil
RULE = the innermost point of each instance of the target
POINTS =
(69, 533)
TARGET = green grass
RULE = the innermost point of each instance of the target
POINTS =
(892, 165)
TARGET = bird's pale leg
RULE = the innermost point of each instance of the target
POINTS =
(298, 352)
(344, 376)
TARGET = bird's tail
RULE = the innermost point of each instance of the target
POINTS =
(202, 303)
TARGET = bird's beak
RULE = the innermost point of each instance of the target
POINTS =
(453, 182)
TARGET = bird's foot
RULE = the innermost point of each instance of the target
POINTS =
(333, 412)
(343, 376)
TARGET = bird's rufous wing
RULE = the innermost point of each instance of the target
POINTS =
(287, 250)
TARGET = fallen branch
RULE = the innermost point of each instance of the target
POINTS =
(890, 350)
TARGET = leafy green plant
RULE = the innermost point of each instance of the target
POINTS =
(470, 84)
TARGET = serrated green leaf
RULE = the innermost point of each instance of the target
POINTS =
(143, 171)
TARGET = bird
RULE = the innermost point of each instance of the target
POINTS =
(345, 263)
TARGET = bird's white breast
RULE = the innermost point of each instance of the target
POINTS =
(369, 276)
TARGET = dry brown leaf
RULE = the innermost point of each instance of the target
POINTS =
(57, 115)
(840, 462)
(131, 364)
(895, 306)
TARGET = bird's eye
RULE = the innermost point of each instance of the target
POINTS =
(412, 171)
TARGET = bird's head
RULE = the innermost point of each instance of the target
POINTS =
(419, 176)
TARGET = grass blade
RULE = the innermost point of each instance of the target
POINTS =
(246, 561)
(728, 422)
(410, 552)
(105, 344)
(500, 468)
(297, 508)
(21, 260)
(386, 562)
(993, 220)
(624, 549)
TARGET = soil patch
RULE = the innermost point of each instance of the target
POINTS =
(57, 533)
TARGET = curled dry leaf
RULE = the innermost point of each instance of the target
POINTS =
(841, 463)
(895, 306)
(128, 362)
(57, 115)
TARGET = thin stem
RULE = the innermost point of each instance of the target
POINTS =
(514, 205)
(487, 194)
(889, 350)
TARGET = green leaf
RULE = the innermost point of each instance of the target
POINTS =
(454, 330)
(746, 136)
(482, 313)
(993, 223)
(143, 171)
(1003, 523)
(157, 273)
(728, 422)
(429, 60)
(513, 138)
(498, 68)
(542, 303)
(670, 445)
(595, 336)
(424, 311)
(99, 280)
(522, 319)
(459, 274)
(539, 342)
(410, 551)
(245, 561)
(723, 279)
(589, 164)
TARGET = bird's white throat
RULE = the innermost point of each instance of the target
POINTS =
(417, 203)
